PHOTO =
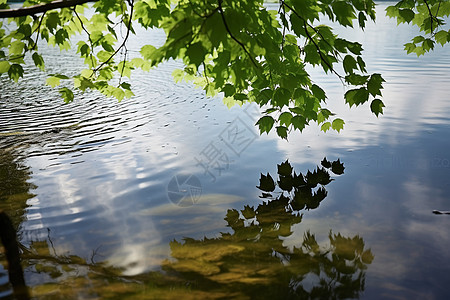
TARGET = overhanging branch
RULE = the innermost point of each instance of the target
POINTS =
(40, 8)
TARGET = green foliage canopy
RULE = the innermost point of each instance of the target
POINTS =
(241, 49)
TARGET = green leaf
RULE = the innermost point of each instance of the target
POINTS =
(108, 47)
(196, 53)
(52, 21)
(83, 83)
(418, 39)
(147, 51)
(281, 97)
(264, 96)
(361, 64)
(349, 63)
(66, 94)
(53, 81)
(362, 19)
(299, 122)
(229, 90)
(119, 94)
(137, 62)
(442, 37)
(4, 66)
(323, 115)
(355, 48)
(285, 118)
(240, 96)
(15, 72)
(38, 61)
(311, 54)
(392, 11)
(16, 48)
(410, 47)
(375, 84)
(343, 12)
(318, 92)
(338, 124)
(265, 124)
(428, 45)
(126, 86)
(296, 110)
(356, 96)
(406, 14)
(178, 75)
(325, 126)
(356, 79)
(61, 36)
(377, 107)
(83, 49)
(124, 69)
(297, 26)
(282, 132)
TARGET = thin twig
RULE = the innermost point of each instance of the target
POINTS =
(88, 34)
(284, 27)
(123, 43)
(309, 25)
(319, 51)
(124, 63)
(231, 34)
(38, 30)
(204, 71)
(430, 13)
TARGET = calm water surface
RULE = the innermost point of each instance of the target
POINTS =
(92, 188)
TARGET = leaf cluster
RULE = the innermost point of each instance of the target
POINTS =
(242, 50)
(429, 16)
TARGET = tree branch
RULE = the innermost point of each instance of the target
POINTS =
(222, 14)
(123, 43)
(431, 15)
(40, 8)
(88, 34)
(310, 38)
(38, 30)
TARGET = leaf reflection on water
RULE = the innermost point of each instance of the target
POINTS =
(251, 261)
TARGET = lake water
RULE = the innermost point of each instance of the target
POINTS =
(103, 193)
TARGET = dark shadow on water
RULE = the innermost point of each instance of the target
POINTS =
(252, 261)
(14, 192)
